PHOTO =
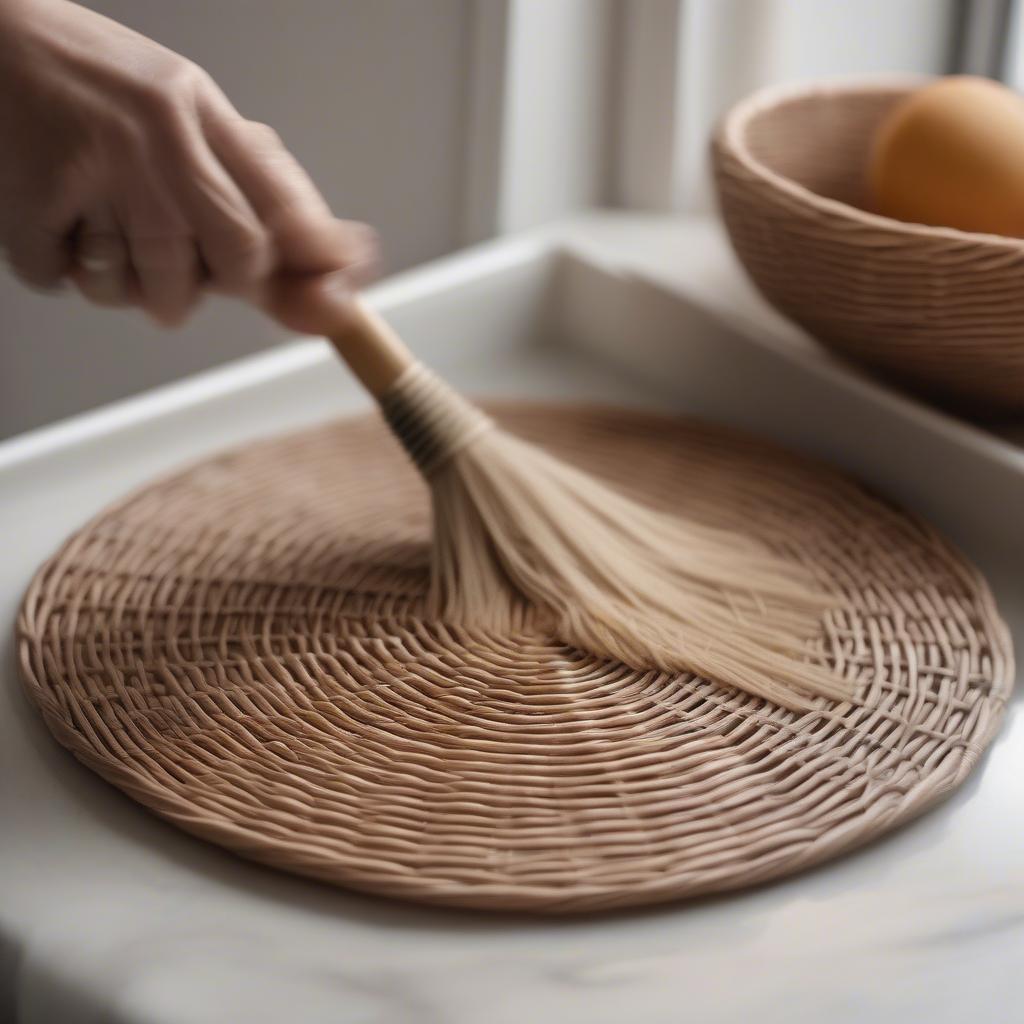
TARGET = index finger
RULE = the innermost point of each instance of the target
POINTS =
(306, 235)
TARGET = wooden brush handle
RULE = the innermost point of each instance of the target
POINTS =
(372, 350)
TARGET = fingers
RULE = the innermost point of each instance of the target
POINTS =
(161, 247)
(311, 304)
(279, 190)
(194, 196)
(306, 236)
(159, 272)
(39, 257)
(167, 269)
(356, 249)
(37, 222)
(235, 247)
(101, 268)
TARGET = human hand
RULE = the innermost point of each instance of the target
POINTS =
(124, 167)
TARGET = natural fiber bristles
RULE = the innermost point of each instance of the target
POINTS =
(512, 524)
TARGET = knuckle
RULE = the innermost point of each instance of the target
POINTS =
(179, 78)
(170, 90)
(263, 135)
(202, 82)
(185, 78)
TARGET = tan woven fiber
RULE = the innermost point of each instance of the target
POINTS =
(938, 309)
(243, 648)
(513, 525)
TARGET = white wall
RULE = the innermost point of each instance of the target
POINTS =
(446, 120)
(685, 62)
(370, 94)
(771, 42)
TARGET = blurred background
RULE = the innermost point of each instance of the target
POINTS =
(446, 122)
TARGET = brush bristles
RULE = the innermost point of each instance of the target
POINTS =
(512, 524)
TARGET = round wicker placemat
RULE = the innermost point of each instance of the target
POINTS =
(240, 648)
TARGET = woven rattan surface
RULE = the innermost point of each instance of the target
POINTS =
(241, 648)
(939, 309)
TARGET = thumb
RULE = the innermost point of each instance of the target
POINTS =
(314, 244)
(319, 302)
(311, 304)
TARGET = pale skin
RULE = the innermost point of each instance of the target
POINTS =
(125, 171)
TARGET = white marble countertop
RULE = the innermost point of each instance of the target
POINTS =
(107, 914)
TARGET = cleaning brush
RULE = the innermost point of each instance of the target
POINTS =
(515, 527)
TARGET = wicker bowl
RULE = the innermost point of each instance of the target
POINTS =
(937, 309)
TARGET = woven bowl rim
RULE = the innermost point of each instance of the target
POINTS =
(732, 137)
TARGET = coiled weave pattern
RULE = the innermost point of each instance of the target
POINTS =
(242, 648)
